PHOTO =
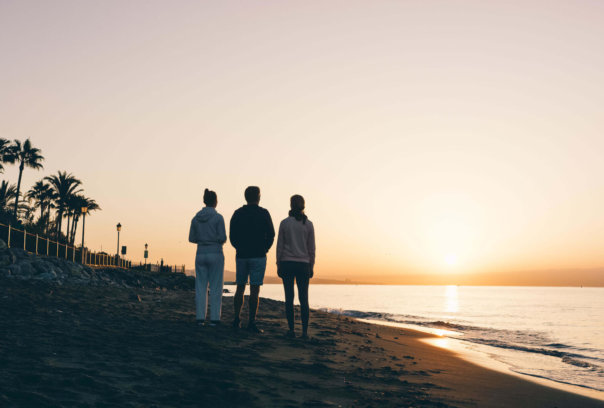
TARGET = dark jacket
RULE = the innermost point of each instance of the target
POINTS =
(251, 231)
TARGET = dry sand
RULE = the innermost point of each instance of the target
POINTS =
(108, 347)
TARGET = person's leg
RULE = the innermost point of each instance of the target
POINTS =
(253, 303)
(288, 287)
(216, 274)
(302, 281)
(201, 287)
(257, 267)
(241, 279)
(238, 303)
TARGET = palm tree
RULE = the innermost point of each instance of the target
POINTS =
(76, 203)
(8, 192)
(42, 194)
(26, 155)
(64, 185)
(4, 144)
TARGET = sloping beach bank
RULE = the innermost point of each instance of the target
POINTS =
(77, 345)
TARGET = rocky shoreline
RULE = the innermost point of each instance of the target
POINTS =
(17, 263)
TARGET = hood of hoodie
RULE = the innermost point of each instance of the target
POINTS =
(205, 215)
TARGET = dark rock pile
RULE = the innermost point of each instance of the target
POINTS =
(16, 263)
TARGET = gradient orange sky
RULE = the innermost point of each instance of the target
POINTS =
(426, 136)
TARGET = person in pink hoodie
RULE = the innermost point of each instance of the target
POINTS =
(296, 261)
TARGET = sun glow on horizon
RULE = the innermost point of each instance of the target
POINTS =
(451, 260)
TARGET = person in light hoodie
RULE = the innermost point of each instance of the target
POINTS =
(208, 232)
(296, 260)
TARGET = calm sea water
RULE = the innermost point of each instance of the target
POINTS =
(551, 333)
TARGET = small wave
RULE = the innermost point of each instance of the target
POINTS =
(550, 378)
(579, 363)
(454, 326)
(518, 347)
(557, 345)
(375, 316)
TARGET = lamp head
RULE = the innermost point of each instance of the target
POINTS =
(119, 226)
(84, 210)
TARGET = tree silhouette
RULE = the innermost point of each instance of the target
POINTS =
(27, 156)
(4, 144)
(64, 185)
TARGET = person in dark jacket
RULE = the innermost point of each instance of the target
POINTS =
(252, 234)
(207, 231)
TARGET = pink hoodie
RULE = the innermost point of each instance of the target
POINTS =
(296, 241)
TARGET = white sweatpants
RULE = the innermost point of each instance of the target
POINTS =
(209, 269)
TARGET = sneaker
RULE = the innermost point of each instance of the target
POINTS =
(201, 322)
(252, 328)
(214, 323)
(290, 334)
(236, 324)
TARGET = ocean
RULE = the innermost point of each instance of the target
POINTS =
(554, 334)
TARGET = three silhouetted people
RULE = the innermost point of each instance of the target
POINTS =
(252, 235)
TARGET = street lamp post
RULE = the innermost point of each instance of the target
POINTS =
(146, 253)
(84, 211)
(119, 228)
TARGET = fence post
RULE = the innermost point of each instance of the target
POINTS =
(73, 254)
(24, 239)
(57, 248)
(8, 243)
(47, 245)
(36, 244)
(65, 251)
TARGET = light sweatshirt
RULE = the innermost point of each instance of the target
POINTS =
(207, 231)
(296, 241)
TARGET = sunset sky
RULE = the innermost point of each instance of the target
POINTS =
(427, 137)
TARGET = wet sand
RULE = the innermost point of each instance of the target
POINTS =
(107, 347)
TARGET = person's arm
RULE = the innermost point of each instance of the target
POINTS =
(193, 232)
(234, 230)
(221, 230)
(280, 245)
(270, 232)
(311, 249)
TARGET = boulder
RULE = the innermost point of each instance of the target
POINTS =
(7, 257)
(20, 253)
(26, 270)
(46, 276)
(41, 266)
(14, 269)
(73, 269)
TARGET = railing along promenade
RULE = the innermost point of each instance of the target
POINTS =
(40, 245)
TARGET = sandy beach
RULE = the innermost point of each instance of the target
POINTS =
(75, 345)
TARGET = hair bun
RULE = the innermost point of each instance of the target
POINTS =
(205, 191)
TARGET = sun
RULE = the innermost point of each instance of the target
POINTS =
(451, 260)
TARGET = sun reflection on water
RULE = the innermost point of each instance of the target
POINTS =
(451, 301)
(442, 342)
